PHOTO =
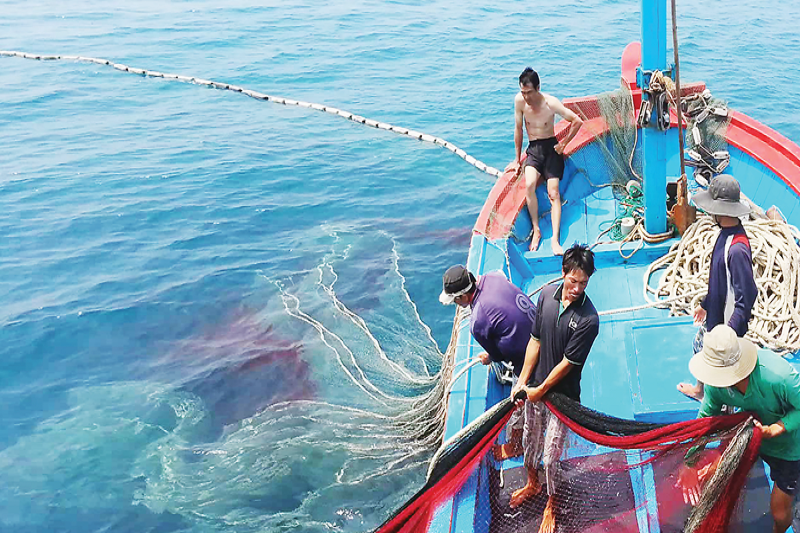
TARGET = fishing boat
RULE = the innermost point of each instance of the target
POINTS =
(642, 350)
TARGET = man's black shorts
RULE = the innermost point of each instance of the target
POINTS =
(783, 473)
(543, 157)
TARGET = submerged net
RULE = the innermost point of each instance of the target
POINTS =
(612, 475)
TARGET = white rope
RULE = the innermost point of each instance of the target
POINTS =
(483, 167)
(463, 371)
(657, 303)
(775, 322)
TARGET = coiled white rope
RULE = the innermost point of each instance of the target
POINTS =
(483, 167)
(775, 322)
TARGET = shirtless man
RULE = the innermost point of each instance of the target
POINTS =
(543, 160)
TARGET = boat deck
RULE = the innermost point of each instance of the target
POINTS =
(632, 371)
(636, 353)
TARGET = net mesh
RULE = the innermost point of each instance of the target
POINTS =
(710, 115)
(612, 475)
(619, 149)
(706, 134)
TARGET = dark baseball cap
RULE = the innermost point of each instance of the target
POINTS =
(455, 282)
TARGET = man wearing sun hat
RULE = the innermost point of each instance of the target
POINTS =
(732, 290)
(501, 321)
(765, 384)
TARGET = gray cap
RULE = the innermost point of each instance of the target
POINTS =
(723, 197)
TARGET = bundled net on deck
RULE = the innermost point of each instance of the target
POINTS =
(621, 162)
(613, 475)
(706, 135)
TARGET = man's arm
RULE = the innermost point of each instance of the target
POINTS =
(574, 120)
(531, 358)
(690, 478)
(710, 406)
(553, 378)
(791, 395)
(745, 291)
(519, 105)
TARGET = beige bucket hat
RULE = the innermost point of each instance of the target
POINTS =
(725, 359)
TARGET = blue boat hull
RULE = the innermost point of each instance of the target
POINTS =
(638, 357)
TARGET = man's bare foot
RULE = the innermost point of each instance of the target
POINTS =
(518, 497)
(557, 249)
(548, 518)
(692, 391)
(507, 451)
(535, 239)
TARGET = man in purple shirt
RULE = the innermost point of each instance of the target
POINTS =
(732, 290)
(501, 321)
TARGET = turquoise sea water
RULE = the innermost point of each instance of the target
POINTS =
(213, 307)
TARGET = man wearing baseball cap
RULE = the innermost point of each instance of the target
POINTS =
(732, 290)
(501, 321)
(765, 384)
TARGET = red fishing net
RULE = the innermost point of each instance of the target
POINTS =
(610, 475)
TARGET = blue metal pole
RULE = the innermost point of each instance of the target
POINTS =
(654, 142)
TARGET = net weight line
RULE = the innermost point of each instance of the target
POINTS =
(424, 137)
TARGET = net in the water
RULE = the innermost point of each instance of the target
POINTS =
(612, 475)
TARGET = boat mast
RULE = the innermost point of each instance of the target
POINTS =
(654, 141)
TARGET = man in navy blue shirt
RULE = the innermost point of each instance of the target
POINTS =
(501, 321)
(566, 326)
(732, 290)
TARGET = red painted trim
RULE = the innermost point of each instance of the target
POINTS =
(631, 59)
(511, 200)
(591, 130)
(767, 146)
(764, 144)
